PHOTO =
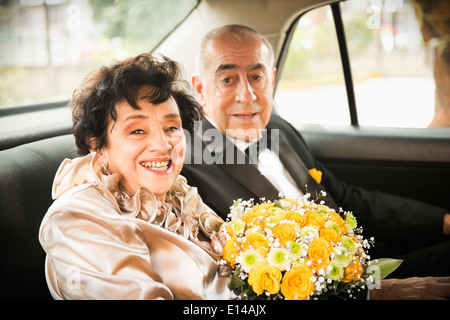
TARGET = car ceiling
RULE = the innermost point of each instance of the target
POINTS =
(272, 18)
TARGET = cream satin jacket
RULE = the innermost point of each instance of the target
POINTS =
(104, 244)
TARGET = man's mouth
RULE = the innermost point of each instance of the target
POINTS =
(157, 165)
(245, 115)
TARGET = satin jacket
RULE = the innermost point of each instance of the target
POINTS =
(102, 243)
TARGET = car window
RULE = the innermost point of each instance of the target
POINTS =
(311, 88)
(48, 46)
(392, 79)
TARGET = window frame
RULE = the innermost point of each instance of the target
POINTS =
(345, 58)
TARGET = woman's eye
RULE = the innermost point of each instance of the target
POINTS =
(172, 129)
(137, 131)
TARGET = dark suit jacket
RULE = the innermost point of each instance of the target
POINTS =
(390, 219)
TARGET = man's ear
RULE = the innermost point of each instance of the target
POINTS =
(274, 76)
(197, 84)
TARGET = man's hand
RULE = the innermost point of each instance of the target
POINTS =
(428, 288)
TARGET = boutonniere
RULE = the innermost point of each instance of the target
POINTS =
(316, 174)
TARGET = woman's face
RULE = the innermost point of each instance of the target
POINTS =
(146, 147)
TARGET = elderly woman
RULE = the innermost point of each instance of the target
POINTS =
(124, 223)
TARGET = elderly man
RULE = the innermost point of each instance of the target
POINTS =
(234, 82)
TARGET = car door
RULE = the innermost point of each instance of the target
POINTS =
(351, 78)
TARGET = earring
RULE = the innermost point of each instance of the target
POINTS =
(105, 170)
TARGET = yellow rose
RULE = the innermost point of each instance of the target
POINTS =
(319, 252)
(231, 251)
(296, 217)
(257, 241)
(262, 207)
(255, 217)
(297, 284)
(335, 217)
(330, 234)
(264, 277)
(273, 216)
(251, 217)
(285, 232)
(313, 218)
(353, 271)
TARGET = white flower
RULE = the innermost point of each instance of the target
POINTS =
(279, 257)
(309, 232)
(248, 258)
(335, 270)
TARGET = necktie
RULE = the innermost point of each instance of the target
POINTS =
(253, 150)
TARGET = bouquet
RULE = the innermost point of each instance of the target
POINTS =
(297, 249)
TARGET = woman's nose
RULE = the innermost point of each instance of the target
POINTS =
(245, 93)
(159, 142)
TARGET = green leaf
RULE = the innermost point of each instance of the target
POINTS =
(381, 268)
(234, 282)
(277, 205)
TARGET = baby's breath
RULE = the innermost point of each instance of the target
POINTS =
(341, 259)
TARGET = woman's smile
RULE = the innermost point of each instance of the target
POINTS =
(145, 146)
(160, 166)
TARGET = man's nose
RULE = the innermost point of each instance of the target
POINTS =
(245, 93)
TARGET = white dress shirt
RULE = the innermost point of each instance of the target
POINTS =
(270, 166)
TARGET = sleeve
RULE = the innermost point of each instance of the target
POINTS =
(388, 217)
(94, 253)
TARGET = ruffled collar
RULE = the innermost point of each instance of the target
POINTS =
(183, 212)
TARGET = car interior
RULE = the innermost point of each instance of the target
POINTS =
(35, 138)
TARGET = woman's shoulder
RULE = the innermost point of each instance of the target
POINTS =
(84, 201)
(82, 210)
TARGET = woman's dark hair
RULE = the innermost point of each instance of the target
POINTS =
(94, 102)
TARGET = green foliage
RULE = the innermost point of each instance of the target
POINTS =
(139, 24)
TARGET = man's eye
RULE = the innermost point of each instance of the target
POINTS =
(228, 80)
(256, 78)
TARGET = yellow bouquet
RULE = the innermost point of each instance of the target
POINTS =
(296, 249)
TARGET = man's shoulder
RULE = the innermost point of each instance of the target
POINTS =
(287, 131)
(277, 122)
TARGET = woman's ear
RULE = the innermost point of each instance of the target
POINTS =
(91, 143)
(102, 153)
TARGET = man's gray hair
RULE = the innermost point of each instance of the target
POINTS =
(240, 32)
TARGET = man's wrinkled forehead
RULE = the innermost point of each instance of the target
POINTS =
(231, 55)
(224, 49)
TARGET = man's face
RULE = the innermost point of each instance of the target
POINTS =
(236, 88)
